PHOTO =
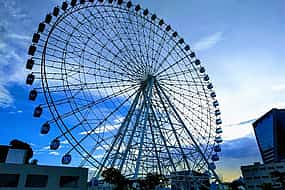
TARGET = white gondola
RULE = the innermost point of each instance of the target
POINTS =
(213, 95)
(219, 130)
(215, 157)
(30, 64)
(219, 121)
(45, 128)
(212, 166)
(33, 95)
(30, 79)
(202, 70)
(38, 111)
(218, 139)
(66, 159)
(206, 78)
(54, 145)
(217, 112)
(210, 86)
(217, 148)
(198, 62)
(216, 103)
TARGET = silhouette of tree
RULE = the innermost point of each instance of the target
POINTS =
(151, 181)
(266, 186)
(114, 176)
(16, 144)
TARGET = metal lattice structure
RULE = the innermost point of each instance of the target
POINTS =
(124, 89)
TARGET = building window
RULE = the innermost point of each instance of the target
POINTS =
(9, 180)
(69, 181)
(36, 181)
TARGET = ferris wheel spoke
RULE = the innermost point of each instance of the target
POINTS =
(138, 39)
(133, 56)
(192, 112)
(104, 120)
(140, 64)
(98, 53)
(91, 104)
(107, 36)
(180, 90)
(161, 45)
(102, 68)
(189, 133)
(186, 72)
(172, 65)
(145, 42)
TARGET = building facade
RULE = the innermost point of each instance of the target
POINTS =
(33, 177)
(257, 176)
(270, 135)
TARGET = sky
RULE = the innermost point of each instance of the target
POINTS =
(240, 42)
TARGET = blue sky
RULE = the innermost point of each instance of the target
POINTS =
(240, 42)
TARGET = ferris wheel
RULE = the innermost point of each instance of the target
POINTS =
(124, 89)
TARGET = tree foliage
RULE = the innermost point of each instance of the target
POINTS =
(151, 181)
(114, 176)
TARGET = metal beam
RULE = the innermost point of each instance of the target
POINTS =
(148, 96)
(173, 129)
(189, 133)
(163, 139)
(134, 104)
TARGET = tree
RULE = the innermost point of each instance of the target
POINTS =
(266, 186)
(151, 181)
(16, 144)
(114, 176)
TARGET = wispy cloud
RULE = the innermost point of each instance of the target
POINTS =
(6, 98)
(12, 50)
(239, 130)
(208, 41)
(279, 88)
(54, 153)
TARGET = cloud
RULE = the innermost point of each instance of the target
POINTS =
(19, 37)
(12, 50)
(279, 88)
(241, 148)
(208, 41)
(6, 98)
(237, 131)
(102, 129)
(54, 153)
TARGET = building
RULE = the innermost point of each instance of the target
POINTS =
(270, 135)
(15, 174)
(189, 180)
(27, 176)
(259, 175)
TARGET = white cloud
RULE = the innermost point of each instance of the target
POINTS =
(279, 88)
(6, 98)
(232, 132)
(64, 142)
(19, 37)
(54, 153)
(102, 129)
(208, 41)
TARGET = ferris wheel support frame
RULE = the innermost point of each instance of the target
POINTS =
(189, 133)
